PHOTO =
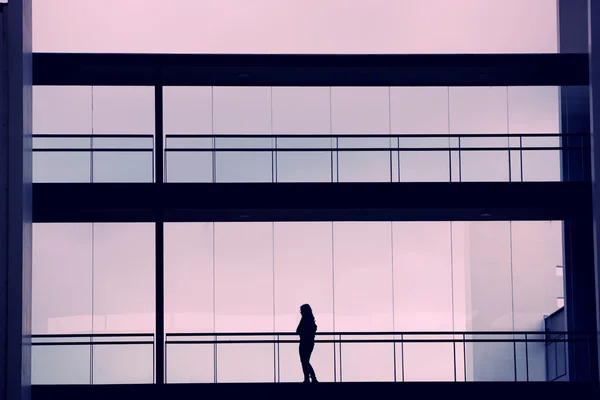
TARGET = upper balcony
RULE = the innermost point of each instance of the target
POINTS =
(209, 158)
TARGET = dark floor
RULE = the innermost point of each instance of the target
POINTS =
(416, 390)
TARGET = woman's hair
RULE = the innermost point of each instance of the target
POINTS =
(306, 311)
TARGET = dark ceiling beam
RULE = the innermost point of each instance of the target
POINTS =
(122, 202)
(310, 70)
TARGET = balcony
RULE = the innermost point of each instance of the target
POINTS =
(308, 158)
(487, 356)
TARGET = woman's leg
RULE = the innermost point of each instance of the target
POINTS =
(311, 371)
(305, 351)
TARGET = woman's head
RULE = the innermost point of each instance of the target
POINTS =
(306, 311)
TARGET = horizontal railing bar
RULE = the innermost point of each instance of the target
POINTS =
(92, 136)
(365, 149)
(88, 150)
(89, 335)
(428, 333)
(88, 343)
(371, 136)
(456, 340)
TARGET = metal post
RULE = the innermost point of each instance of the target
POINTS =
(159, 233)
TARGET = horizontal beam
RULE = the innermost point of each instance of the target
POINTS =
(310, 70)
(140, 202)
(325, 390)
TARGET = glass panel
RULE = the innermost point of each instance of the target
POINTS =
(419, 110)
(124, 280)
(58, 166)
(189, 269)
(191, 363)
(360, 110)
(233, 166)
(254, 362)
(62, 305)
(62, 109)
(242, 110)
(303, 277)
(183, 166)
(60, 365)
(481, 110)
(429, 361)
(303, 166)
(537, 249)
(424, 166)
(61, 143)
(187, 109)
(489, 299)
(115, 364)
(364, 166)
(367, 362)
(142, 142)
(123, 109)
(243, 278)
(423, 296)
(542, 165)
(363, 264)
(299, 110)
(123, 166)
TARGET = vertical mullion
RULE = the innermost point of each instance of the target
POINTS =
(159, 238)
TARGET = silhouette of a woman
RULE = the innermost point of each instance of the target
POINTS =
(306, 330)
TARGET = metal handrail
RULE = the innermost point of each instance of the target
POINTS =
(91, 336)
(370, 136)
(457, 337)
(379, 333)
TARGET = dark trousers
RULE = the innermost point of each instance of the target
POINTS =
(306, 349)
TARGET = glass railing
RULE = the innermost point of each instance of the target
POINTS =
(369, 158)
(79, 158)
(311, 158)
(92, 358)
(367, 356)
(337, 357)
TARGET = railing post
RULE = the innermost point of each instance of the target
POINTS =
(340, 336)
(526, 359)
(515, 357)
(465, 355)
(454, 352)
(402, 350)
(394, 343)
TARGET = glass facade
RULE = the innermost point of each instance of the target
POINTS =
(247, 278)
(299, 134)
